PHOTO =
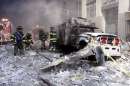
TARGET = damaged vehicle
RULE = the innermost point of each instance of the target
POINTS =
(92, 46)
(88, 44)
(101, 44)
(68, 32)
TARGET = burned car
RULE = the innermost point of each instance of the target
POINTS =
(101, 44)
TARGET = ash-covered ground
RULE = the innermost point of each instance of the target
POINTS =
(26, 71)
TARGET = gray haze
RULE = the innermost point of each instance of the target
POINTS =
(34, 12)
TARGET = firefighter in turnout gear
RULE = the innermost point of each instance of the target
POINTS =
(27, 41)
(53, 39)
(17, 40)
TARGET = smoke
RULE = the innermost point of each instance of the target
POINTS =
(30, 13)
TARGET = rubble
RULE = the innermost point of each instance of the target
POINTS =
(20, 70)
(25, 71)
(72, 58)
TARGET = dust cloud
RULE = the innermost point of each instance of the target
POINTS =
(30, 13)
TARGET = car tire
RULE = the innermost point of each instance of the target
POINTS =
(100, 58)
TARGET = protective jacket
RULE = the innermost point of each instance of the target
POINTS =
(28, 40)
(53, 37)
(17, 38)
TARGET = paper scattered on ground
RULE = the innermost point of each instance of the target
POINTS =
(25, 71)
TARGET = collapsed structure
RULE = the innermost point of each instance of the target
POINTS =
(69, 31)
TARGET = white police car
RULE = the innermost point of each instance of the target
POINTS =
(101, 44)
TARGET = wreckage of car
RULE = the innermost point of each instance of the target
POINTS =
(101, 44)
(94, 45)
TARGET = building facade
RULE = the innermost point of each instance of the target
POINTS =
(112, 16)
(94, 13)
(123, 19)
(110, 12)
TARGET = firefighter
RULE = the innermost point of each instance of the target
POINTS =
(27, 41)
(17, 40)
(53, 39)
(42, 38)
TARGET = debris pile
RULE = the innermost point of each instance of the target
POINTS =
(25, 71)
(88, 75)
(20, 70)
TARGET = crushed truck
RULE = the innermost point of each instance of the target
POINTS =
(80, 33)
(68, 34)
(69, 31)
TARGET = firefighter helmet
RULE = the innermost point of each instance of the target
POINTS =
(28, 34)
(19, 28)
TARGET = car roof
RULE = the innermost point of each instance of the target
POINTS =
(97, 34)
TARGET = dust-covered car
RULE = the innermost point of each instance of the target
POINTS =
(101, 44)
